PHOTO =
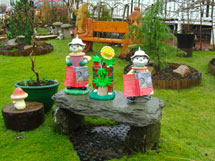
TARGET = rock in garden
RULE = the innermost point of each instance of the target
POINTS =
(28, 47)
(66, 122)
(139, 114)
(12, 42)
(143, 118)
(182, 71)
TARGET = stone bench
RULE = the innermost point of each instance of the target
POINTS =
(143, 116)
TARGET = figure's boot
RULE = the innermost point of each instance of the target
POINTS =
(131, 99)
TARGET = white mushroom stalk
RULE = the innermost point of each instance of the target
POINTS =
(18, 97)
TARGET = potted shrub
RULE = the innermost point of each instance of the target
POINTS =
(20, 33)
(38, 90)
(152, 35)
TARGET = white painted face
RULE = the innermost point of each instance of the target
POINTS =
(140, 61)
(76, 48)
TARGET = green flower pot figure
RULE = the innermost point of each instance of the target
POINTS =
(103, 75)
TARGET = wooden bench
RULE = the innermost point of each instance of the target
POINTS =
(102, 26)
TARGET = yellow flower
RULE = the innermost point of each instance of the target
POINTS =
(107, 52)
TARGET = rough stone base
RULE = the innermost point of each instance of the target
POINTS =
(142, 139)
(65, 122)
(66, 33)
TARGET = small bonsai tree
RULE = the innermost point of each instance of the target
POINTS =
(152, 35)
(22, 23)
(19, 22)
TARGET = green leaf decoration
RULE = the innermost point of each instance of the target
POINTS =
(109, 63)
(102, 82)
(107, 81)
(102, 72)
(96, 58)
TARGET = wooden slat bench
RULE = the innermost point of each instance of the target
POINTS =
(103, 26)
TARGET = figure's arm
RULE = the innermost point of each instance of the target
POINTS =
(88, 58)
(131, 71)
(85, 61)
(68, 61)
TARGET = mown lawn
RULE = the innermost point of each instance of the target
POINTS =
(188, 123)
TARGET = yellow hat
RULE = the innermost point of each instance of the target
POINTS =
(107, 52)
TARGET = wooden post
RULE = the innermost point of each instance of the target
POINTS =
(132, 5)
(212, 22)
(201, 25)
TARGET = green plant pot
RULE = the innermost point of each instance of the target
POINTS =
(41, 94)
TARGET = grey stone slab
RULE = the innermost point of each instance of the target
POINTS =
(139, 114)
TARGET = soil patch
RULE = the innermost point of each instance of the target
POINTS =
(19, 50)
(167, 74)
(34, 83)
(165, 78)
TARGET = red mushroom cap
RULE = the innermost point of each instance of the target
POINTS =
(19, 94)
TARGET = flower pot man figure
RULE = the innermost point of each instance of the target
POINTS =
(103, 75)
(76, 78)
(138, 81)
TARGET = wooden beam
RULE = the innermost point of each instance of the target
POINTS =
(106, 26)
(105, 40)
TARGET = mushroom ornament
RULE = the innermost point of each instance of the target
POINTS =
(18, 97)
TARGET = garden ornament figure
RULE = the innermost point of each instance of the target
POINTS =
(77, 75)
(138, 82)
(51, 30)
(60, 35)
(18, 97)
(103, 75)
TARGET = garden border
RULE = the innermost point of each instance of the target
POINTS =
(42, 51)
(211, 67)
(177, 84)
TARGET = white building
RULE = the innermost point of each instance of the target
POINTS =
(177, 13)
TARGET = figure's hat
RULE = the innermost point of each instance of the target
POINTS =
(139, 52)
(76, 41)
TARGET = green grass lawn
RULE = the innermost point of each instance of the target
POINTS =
(188, 123)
